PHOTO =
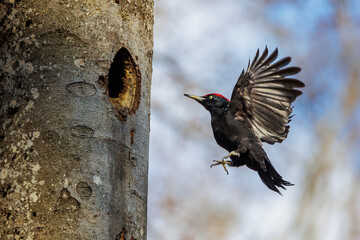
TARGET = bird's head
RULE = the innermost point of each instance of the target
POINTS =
(213, 102)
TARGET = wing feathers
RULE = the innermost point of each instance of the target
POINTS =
(278, 74)
(253, 64)
(279, 90)
(261, 60)
(270, 122)
(265, 95)
(272, 96)
(288, 83)
(275, 111)
(275, 93)
(281, 63)
(271, 58)
(278, 104)
(266, 130)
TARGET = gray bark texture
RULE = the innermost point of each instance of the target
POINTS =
(74, 118)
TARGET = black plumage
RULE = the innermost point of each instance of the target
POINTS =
(259, 111)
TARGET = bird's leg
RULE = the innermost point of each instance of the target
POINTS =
(224, 163)
(231, 154)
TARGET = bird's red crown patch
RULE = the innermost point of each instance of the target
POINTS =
(219, 95)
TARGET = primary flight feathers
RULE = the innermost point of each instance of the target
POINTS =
(263, 95)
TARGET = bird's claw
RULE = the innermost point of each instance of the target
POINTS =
(223, 163)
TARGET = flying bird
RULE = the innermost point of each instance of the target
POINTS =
(259, 111)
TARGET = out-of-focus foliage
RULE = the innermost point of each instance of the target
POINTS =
(201, 46)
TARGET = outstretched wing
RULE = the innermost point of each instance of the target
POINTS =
(263, 95)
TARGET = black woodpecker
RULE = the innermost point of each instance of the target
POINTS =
(259, 111)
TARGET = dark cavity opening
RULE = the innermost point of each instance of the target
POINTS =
(117, 73)
(12, 111)
(28, 23)
(123, 84)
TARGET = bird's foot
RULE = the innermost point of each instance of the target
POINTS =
(223, 163)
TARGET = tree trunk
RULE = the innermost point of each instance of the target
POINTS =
(74, 111)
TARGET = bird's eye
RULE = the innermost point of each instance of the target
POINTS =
(210, 97)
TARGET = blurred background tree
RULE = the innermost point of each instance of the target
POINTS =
(201, 46)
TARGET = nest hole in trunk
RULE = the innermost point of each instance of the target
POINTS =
(123, 84)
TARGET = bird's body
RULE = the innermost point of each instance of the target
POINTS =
(259, 111)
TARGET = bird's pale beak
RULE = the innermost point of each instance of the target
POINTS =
(197, 98)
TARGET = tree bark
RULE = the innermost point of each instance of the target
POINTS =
(74, 111)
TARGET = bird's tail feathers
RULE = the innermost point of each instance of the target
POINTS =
(272, 179)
